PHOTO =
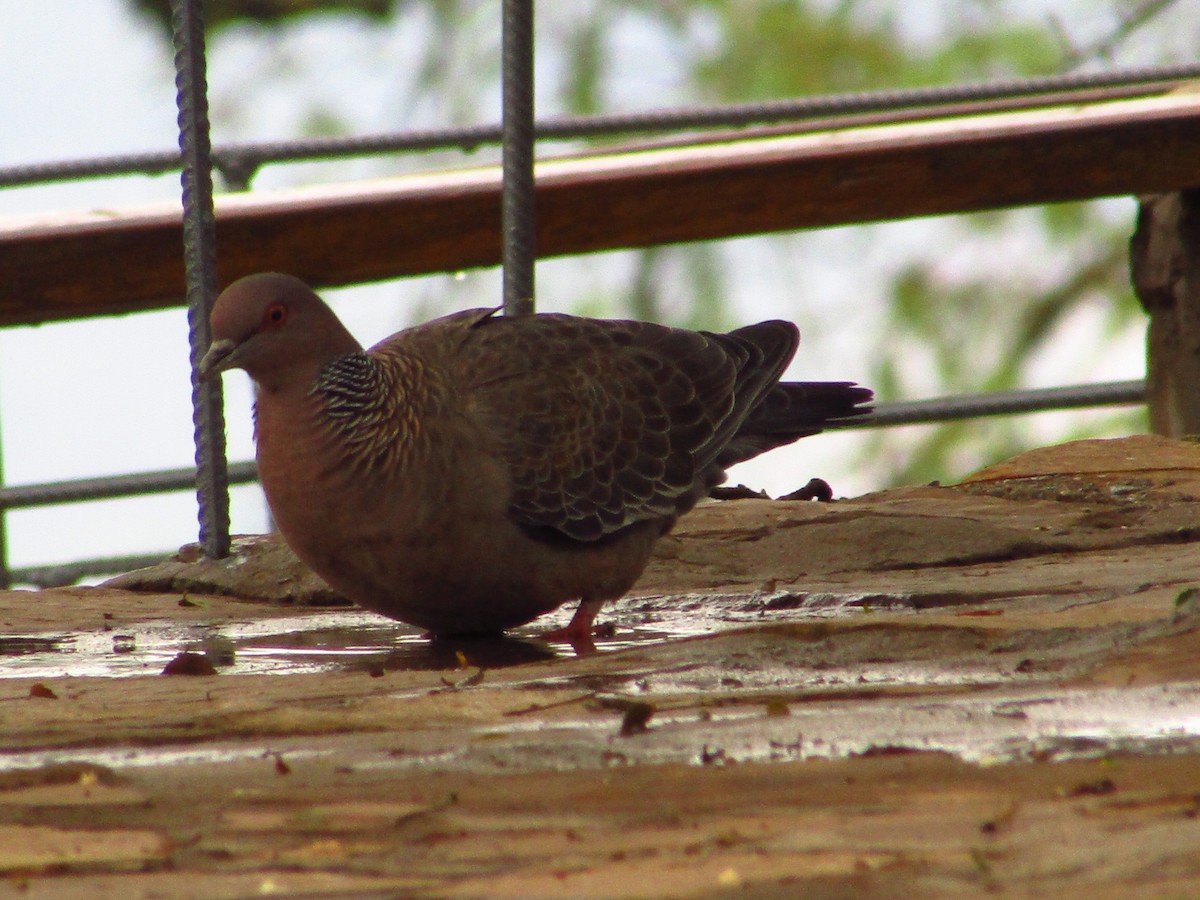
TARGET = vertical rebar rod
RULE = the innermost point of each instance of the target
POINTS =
(5, 578)
(199, 257)
(517, 201)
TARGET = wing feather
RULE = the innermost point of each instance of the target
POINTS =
(603, 424)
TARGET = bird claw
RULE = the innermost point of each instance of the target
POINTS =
(817, 489)
(580, 640)
(581, 629)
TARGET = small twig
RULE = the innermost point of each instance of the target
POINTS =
(1130, 22)
(539, 707)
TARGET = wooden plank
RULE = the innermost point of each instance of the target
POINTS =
(121, 261)
(1165, 261)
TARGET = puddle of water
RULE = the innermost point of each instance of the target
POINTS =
(324, 641)
(682, 615)
(140, 757)
(834, 692)
(280, 646)
(1015, 726)
(1004, 727)
(292, 644)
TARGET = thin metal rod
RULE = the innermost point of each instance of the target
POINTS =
(200, 267)
(517, 196)
(238, 161)
(5, 579)
(59, 575)
(1119, 393)
(1000, 403)
(111, 487)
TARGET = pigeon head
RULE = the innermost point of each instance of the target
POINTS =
(275, 328)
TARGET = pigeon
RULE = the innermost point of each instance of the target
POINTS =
(472, 473)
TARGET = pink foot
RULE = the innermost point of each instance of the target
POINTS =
(578, 632)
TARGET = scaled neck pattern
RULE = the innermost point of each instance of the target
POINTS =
(372, 409)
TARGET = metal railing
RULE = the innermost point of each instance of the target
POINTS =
(239, 162)
(516, 134)
(917, 412)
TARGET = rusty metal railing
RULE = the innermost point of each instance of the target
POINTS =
(212, 475)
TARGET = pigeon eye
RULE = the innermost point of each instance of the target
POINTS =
(275, 315)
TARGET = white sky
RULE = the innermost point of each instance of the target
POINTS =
(111, 395)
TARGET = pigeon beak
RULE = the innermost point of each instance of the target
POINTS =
(221, 355)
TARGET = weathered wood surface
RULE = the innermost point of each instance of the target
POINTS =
(981, 690)
(112, 261)
(1165, 262)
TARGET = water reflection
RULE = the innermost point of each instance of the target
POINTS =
(327, 640)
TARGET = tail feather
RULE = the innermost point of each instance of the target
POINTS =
(793, 410)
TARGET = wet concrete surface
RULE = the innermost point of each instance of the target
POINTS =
(979, 689)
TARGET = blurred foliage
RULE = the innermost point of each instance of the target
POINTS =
(941, 334)
(779, 48)
(985, 334)
(943, 331)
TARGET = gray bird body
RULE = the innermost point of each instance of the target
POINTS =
(472, 473)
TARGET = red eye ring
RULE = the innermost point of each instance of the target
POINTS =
(274, 315)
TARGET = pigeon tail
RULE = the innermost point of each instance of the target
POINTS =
(792, 410)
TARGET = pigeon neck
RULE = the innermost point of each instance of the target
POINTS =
(295, 376)
(373, 407)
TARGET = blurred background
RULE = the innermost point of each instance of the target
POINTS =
(1032, 297)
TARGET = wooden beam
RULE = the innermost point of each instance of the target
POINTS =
(1165, 262)
(126, 260)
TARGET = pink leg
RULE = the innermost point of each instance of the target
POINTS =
(578, 632)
